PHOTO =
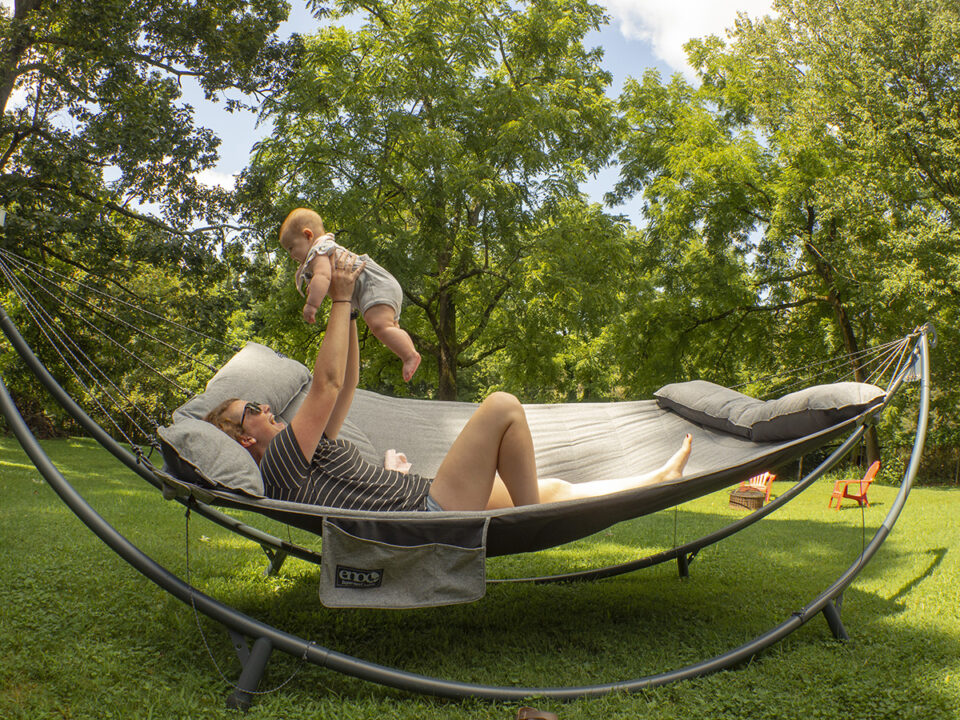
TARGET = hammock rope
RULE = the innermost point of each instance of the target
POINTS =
(14, 258)
(866, 361)
(873, 362)
(109, 316)
(38, 313)
(97, 330)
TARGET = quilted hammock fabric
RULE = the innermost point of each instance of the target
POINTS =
(576, 442)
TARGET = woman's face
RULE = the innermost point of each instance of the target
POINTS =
(256, 420)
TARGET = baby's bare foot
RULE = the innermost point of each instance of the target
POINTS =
(410, 366)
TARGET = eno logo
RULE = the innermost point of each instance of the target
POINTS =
(357, 578)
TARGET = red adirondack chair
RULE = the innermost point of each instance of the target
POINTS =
(762, 482)
(854, 489)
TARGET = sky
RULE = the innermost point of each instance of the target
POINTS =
(641, 34)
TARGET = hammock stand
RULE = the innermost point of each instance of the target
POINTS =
(267, 638)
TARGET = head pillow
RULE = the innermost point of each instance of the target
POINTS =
(196, 451)
(256, 373)
(200, 453)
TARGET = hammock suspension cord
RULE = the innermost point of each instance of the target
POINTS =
(39, 269)
(107, 316)
(62, 343)
(72, 355)
(873, 362)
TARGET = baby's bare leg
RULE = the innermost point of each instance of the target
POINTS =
(381, 319)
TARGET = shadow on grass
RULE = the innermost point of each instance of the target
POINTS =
(938, 555)
(573, 634)
(627, 627)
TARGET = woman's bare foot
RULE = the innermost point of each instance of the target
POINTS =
(410, 366)
(673, 468)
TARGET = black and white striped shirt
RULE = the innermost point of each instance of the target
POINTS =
(337, 476)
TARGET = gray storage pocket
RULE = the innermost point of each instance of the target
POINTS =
(402, 564)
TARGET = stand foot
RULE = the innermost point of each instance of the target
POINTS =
(275, 561)
(683, 564)
(831, 611)
(254, 663)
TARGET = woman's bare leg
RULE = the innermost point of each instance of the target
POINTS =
(495, 441)
(554, 490)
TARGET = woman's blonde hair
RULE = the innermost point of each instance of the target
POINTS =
(218, 417)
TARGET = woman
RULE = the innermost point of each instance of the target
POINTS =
(491, 464)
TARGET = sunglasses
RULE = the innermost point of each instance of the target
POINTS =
(253, 408)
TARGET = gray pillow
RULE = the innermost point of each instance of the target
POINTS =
(791, 416)
(196, 451)
(256, 373)
(709, 404)
(810, 410)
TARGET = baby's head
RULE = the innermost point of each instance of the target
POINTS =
(300, 231)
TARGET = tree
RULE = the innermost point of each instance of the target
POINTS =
(560, 316)
(99, 154)
(821, 147)
(93, 127)
(434, 137)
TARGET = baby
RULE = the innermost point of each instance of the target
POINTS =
(377, 294)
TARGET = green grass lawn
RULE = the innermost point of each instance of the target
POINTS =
(86, 636)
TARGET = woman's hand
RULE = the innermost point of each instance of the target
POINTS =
(344, 271)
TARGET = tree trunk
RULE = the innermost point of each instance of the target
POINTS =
(12, 51)
(870, 439)
(446, 342)
(871, 442)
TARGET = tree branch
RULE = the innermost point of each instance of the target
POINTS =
(80, 266)
(785, 278)
(131, 214)
(484, 320)
(487, 353)
(752, 309)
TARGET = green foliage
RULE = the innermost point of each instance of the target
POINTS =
(436, 138)
(99, 128)
(99, 158)
(814, 168)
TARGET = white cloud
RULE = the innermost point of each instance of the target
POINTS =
(667, 25)
(214, 177)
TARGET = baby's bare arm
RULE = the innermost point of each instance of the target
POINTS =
(317, 287)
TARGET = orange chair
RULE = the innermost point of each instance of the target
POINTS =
(762, 482)
(841, 489)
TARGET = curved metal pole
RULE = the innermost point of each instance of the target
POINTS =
(419, 683)
(138, 465)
